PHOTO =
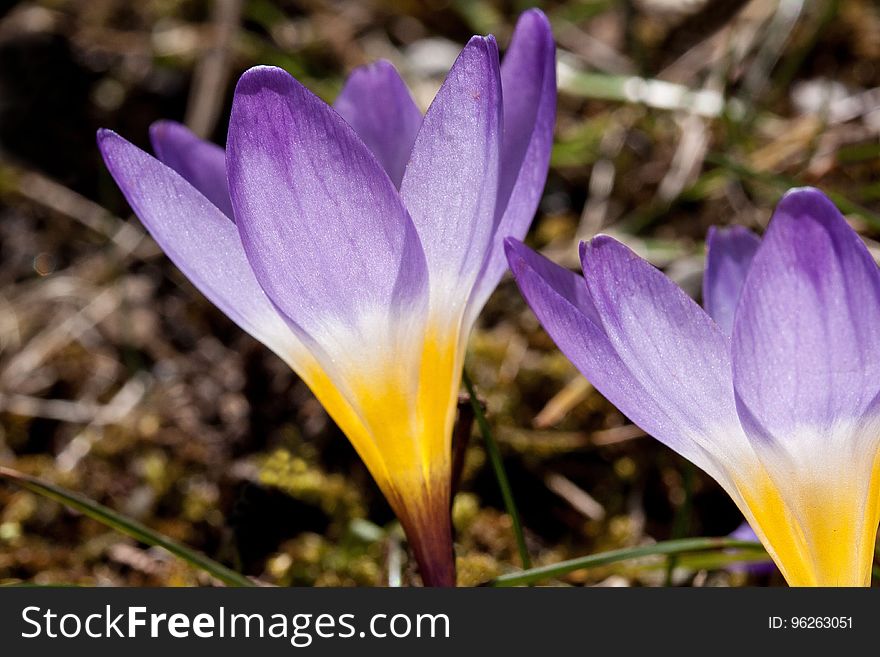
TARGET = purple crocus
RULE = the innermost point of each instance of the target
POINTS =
(775, 392)
(360, 242)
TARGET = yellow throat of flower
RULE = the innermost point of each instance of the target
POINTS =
(818, 534)
(399, 417)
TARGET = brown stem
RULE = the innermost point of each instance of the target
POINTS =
(430, 539)
(437, 572)
(461, 437)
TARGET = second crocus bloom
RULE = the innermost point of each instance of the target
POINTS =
(775, 392)
(360, 243)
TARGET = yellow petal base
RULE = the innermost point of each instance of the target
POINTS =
(822, 536)
(399, 418)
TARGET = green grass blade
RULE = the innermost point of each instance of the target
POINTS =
(498, 466)
(708, 560)
(124, 525)
(31, 585)
(666, 548)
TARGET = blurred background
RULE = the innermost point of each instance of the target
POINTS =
(120, 381)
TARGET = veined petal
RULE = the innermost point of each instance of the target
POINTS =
(806, 338)
(377, 104)
(528, 80)
(335, 250)
(451, 181)
(729, 254)
(200, 162)
(199, 239)
(806, 365)
(449, 188)
(321, 223)
(663, 362)
(674, 350)
(621, 366)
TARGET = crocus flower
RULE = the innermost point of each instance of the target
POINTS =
(360, 242)
(776, 394)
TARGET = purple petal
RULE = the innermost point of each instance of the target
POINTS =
(744, 532)
(806, 366)
(377, 104)
(528, 78)
(759, 568)
(730, 252)
(200, 162)
(451, 181)
(806, 336)
(666, 340)
(637, 367)
(565, 290)
(198, 238)
(321, 223)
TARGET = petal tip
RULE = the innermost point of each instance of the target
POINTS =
(104, 134)
(599, 242)
(380, 66)
(803, 192)
(163, 130)
(806, 204)
(804, 199)
(534, 18)
(523, 263)
(377, 68)
(108, 143)
(513, 249)
(163, 127)
(512, 243)
(734, 231)
(604, 248)
(380, 73)
(258, 78)
(486, 44)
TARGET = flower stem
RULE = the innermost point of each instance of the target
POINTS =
(461, 438)
(500, 474)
